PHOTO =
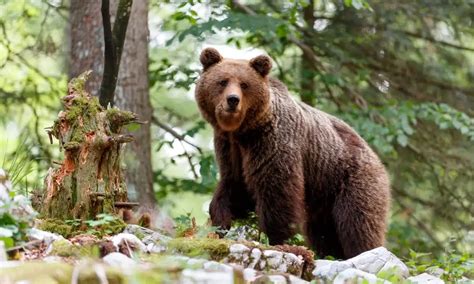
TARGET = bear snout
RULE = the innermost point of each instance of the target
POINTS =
(232, 102)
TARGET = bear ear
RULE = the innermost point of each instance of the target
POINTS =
(262, 64)
(209, 57)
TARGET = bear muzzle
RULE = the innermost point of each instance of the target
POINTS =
(232, 102)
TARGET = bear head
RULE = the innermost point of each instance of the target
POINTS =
(233, 94)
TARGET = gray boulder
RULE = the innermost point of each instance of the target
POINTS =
(425, 278)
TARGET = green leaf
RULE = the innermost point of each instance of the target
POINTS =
(402, 140)
(132, 127)
(9, 242)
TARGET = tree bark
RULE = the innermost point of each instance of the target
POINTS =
(89, 181)
(87, 46)
(307, 66)
(132, 94)
(86, 43)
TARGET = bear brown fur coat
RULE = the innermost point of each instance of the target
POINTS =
(298, 168)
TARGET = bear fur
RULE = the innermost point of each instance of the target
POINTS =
(298, 168)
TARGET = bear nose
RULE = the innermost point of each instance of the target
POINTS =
(233, 101)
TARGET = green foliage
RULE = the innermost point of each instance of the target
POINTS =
(15, 220)
(398, 73)
(104, 224)
(452, 266)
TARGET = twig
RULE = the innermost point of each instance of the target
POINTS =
(113, 43)
(22, 247)
(190, 161)
(175, 134)
(433, 40)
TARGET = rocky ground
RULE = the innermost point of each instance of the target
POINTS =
(141, 255)
(134, 254)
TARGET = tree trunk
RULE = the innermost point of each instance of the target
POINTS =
(89, 181)
(307, 71)
(87, 45)
(132, 94)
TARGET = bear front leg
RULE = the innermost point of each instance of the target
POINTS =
(280, 202)
(219, 209)
(231, 199)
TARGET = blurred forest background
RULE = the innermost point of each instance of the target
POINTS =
(400, 72)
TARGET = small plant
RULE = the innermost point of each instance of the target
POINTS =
(452, 265)
(104, 224)
(16, 214)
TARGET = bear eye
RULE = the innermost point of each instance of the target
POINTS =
(244, 85)
(223, 83)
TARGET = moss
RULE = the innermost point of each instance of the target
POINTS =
(77, 135)
(72, 145)
(118, 118)
(215, 249)
(61, 273)
(112, 227)
(56, 226)
(65, 248)
(37, 272)
(78, 83)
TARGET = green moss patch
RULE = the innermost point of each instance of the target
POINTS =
(215, 249)
(57, 226)
(60, 273)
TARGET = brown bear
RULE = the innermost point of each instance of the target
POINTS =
(298, 168)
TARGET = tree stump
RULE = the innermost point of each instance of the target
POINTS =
(90, 180)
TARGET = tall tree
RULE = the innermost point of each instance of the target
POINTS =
(87, 45)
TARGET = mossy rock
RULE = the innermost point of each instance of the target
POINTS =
(56, 226)
(65, 248)
(215, 249)
(60, 273)
(67, 231)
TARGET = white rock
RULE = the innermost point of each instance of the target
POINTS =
(196, 262)
(425, 278)
(47, 237)
(52, 259)
(154, 248)
(189, 276)
(128, 239)
(435, 271)
(263, 264)
(323, 262)
(274, 258)
(3, 252)
(216, 266)
(293, 263)
(238, 248)
(239, 254)
(296, 280)
(4, 193)
(355, 274)
(255, 256)
(135, 229)
(250, 274)
(372, 262)
(327, 271)
(24, 205)
(276, 279)
(119, 260)
(156, 238)
(377, 260)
